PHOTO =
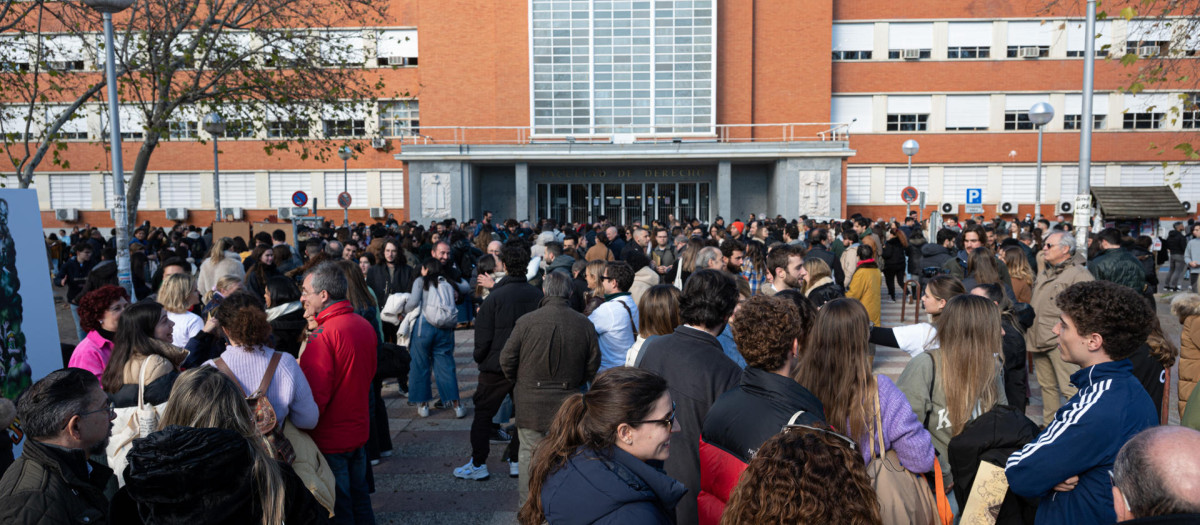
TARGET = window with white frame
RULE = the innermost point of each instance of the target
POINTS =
(1191, 111)
(910, 40)
(853, 41)
(282, 185)
(858, 185)
(391, 189)
(287, 122)
(969, 40)
(1146, 110)
(1030, 39)
(400, 118)
(1077, 38)
(396, 47)
(1016, 110)
(183, 123)
(17, 125)
(956, 180)
(342, 48)
(1147, 38)
(355, 182)
(1018, 184)
(1189, 178)
(968, 112)
(1143, 175)
(65, 53)
(285, 49)
(133, 122)
(895, 179)
(110, 195)
(178, 190)
(1070, 181)
(70, 191)
(1073, 112)
(75, 128)
(349, 120)
(239, 190)
(231, 47)
(15, 53)
(908, 112)
(852, 110)
(1187, 40)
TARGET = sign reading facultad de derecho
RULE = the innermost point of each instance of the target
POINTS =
(625, 173)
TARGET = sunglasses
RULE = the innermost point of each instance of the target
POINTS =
(669, 422)
(828, 431)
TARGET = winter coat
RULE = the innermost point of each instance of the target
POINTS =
(1016, 377)
(991, 437)
(1192, 254)
(1050, 282)
(510, 299)
(849, 263)
(1149, 267)
(92, 354)
(1176, 242)
(915, 259)
(550, 354)
(643, 280)
(1110, 407)
(384, 281)
(202, 476)
(1119, 266)
(610, 487)
(1188, 308)
(339, 362)
(599, 252)
(865, 288)
(287, 327)
(835, 266)
(823, 291)
(258, 285)
(893, 255)
(49, 485)
(694, 388)
(934, 255)
(210, 273)
(1150, 373)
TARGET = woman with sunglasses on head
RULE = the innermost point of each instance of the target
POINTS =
(601, 461)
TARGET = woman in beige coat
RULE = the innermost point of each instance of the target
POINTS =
(1187, 308)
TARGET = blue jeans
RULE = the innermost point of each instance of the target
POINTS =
(352, 505)
(432, 346)
(75, 315)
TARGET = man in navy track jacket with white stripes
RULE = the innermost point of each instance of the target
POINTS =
(1068, 464)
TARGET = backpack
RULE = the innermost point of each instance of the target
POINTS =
(264, 413)
(437, 306)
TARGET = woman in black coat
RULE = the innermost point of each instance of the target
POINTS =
(390, 275)
(261, 271)
(894, 249)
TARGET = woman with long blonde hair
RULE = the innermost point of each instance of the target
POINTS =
(221, 261)
(964, 372)
(1020, 272)
(837, 368)
(687, 260)
(818, 282)
(595, 283)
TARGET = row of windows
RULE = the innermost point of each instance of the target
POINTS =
(1016, 39)
(1017, 183)
(907, 113)
(238, 190)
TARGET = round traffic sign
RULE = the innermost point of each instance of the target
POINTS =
(344, 199)
(299, 199)
(909, 195)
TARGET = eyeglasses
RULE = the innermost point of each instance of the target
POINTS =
(827, 431)
(108, 407)
(607, 278)
(669, 422)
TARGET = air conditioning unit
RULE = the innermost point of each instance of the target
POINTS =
(1029, 52)
(284, 213)
(910, 54)
(1148, 51)
(379, 143)
(234, 213)
(1007, 208)
(378, 213)
(948, 208)
(176, 214)
(1189, 207)
(66, 214)
(1065, 207)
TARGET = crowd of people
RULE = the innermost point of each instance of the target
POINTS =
(670, 372)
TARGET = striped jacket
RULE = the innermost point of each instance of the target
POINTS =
(1110, 407)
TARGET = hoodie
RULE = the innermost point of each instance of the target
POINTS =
(934, 255)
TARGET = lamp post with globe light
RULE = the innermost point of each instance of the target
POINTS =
(345, 153)
(1040, 114)
(910, 148)
(120, 212)
(214, 125)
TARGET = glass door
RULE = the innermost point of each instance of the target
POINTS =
(559, 199)
(666, 201)
(687, 200)
(612, 202)
(579, 203)
(633, 204)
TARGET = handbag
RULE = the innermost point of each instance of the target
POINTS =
(146, 415)
(904, 497)
(393, 361)
(264, 413)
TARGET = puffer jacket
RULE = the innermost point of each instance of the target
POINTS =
(1050, 282)
(610, 487)
(49, 485)
(992, 437)
(1119, 266)
(823, 291)
(934, 255)
(1187, 308)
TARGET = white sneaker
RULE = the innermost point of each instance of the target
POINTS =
(470, 471)
(460, 411)
(514, 469)
(423, 410)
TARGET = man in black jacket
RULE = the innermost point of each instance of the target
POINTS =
(510, 299)
(66, 417)
(1116, 264)
(818, 241)
(1176, 244)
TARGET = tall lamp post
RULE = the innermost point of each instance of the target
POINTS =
(345, 153)
(910, 148)
(1040, 114)
(214, 125)
(124, 271)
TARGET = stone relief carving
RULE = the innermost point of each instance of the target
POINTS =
(435, 195)
(814, 193)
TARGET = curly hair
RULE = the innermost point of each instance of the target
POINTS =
(789, 481)
(765, 328)
(94, 303)
(242, 317)
(1120, 315)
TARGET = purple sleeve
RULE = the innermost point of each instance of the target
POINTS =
(901, 429)
(303, 409)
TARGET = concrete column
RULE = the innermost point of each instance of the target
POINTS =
(724, 190)
(522, 192)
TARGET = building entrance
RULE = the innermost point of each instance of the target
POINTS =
(625, 203)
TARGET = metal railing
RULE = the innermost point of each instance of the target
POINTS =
(722, 133)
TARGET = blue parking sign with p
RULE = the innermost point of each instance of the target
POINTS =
(975, 196)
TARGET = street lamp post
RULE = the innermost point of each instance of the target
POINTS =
(1040, 114)
(214, 125)
(121, 212)
(345, 153)
(910, 148)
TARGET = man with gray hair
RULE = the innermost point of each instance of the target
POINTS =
(1155, 477)
(552, 352)
(1062, 270)
(66, 417)
(334, 249)
(710, 258)
(339, 363)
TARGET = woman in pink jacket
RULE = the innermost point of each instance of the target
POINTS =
(99, 311)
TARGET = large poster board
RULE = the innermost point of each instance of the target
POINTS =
(232, 229)
(270, 227)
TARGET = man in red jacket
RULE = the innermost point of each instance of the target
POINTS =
(339, 364)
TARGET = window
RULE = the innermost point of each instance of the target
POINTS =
(1076, 121)
(858, 185)
(1070, 180)
(1034, 35)
(908, 113)
(355, 183)
(13, 123)
(15, 54)
(282, 129)
(1017, 120)
(1016, 110)
(65, 53)
(133, 122)
(285, 49)
(853, 41)
(912, 37)
(109, 192)
(178, 190)
(396, 47)
(896, 179)
(342, 48)
(284, 184)
(957, 180)
(182, 130)
(70, 191)
(1138, 175)
(1073, 114)
(1191, 111)
(1018, 184)
(855, 111)
(1145, 111)
(1189, 179)
(180, 47)
(391, 189)
(1148, 37)
(1142, 121)
(967, 112)
(400, 118)
(238, 129)
(75, 128)
(239, 190)
(1077, 38)
(345, 127)
(969, 40)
